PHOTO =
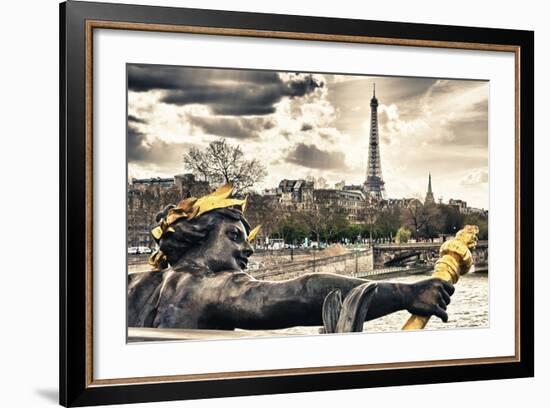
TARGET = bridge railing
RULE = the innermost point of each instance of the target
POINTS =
(394, 270)
(413, 245)
(381, 271)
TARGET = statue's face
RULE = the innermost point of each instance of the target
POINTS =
(227, 247)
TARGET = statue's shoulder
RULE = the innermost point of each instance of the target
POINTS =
(241, 277)
(228, 277)
(141, 278)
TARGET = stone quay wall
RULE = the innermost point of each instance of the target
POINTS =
(347, 264)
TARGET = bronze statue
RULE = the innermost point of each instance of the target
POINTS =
(200, 281)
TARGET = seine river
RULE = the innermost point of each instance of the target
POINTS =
(469, 308)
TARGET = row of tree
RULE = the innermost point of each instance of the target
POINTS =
(323, 224)
(431, 220)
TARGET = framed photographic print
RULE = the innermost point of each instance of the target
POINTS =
(255, 203)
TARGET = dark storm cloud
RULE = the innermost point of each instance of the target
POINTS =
(136, 149)
(353, 97)
(135, 119)
(226, 92)
(469, 132)
(139, 150)
(147, 77)
(453, 94)
(238, 128)
(388, 89)
(312, 157)
(446, 87)
(448, 161)
(482, 106)
(404, 89)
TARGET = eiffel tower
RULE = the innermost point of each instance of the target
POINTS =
(374, 185)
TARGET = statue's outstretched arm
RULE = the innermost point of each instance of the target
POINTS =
(251, 304)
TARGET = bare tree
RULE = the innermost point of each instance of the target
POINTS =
(264, 210)
(315, 219)
(370, 215)
(412, 217)
(388, 221)
(422, 220)
(220, 163)
(335, 224)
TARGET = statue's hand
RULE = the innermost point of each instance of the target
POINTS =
(468, 235)
(429, 297)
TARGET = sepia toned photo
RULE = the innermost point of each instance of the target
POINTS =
(271, 203)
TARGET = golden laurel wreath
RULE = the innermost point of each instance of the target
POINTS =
(192, 207)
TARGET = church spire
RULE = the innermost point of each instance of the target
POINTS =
(429, 195)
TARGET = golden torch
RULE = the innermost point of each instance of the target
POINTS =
(455, 260)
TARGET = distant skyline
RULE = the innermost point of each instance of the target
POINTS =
(300, 125)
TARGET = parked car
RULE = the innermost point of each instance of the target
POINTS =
(276, 244)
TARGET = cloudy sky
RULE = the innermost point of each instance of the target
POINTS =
(301, 124)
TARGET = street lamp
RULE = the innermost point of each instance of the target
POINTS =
(370, 234)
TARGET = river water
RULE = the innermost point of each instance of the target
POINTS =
(469, 308)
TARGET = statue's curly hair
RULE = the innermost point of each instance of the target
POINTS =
(188, 234)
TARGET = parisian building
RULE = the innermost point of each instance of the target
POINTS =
(146, 197)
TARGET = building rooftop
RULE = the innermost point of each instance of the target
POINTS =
(153, 180)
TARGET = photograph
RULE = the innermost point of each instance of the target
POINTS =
(266, 203)
(255, 203)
